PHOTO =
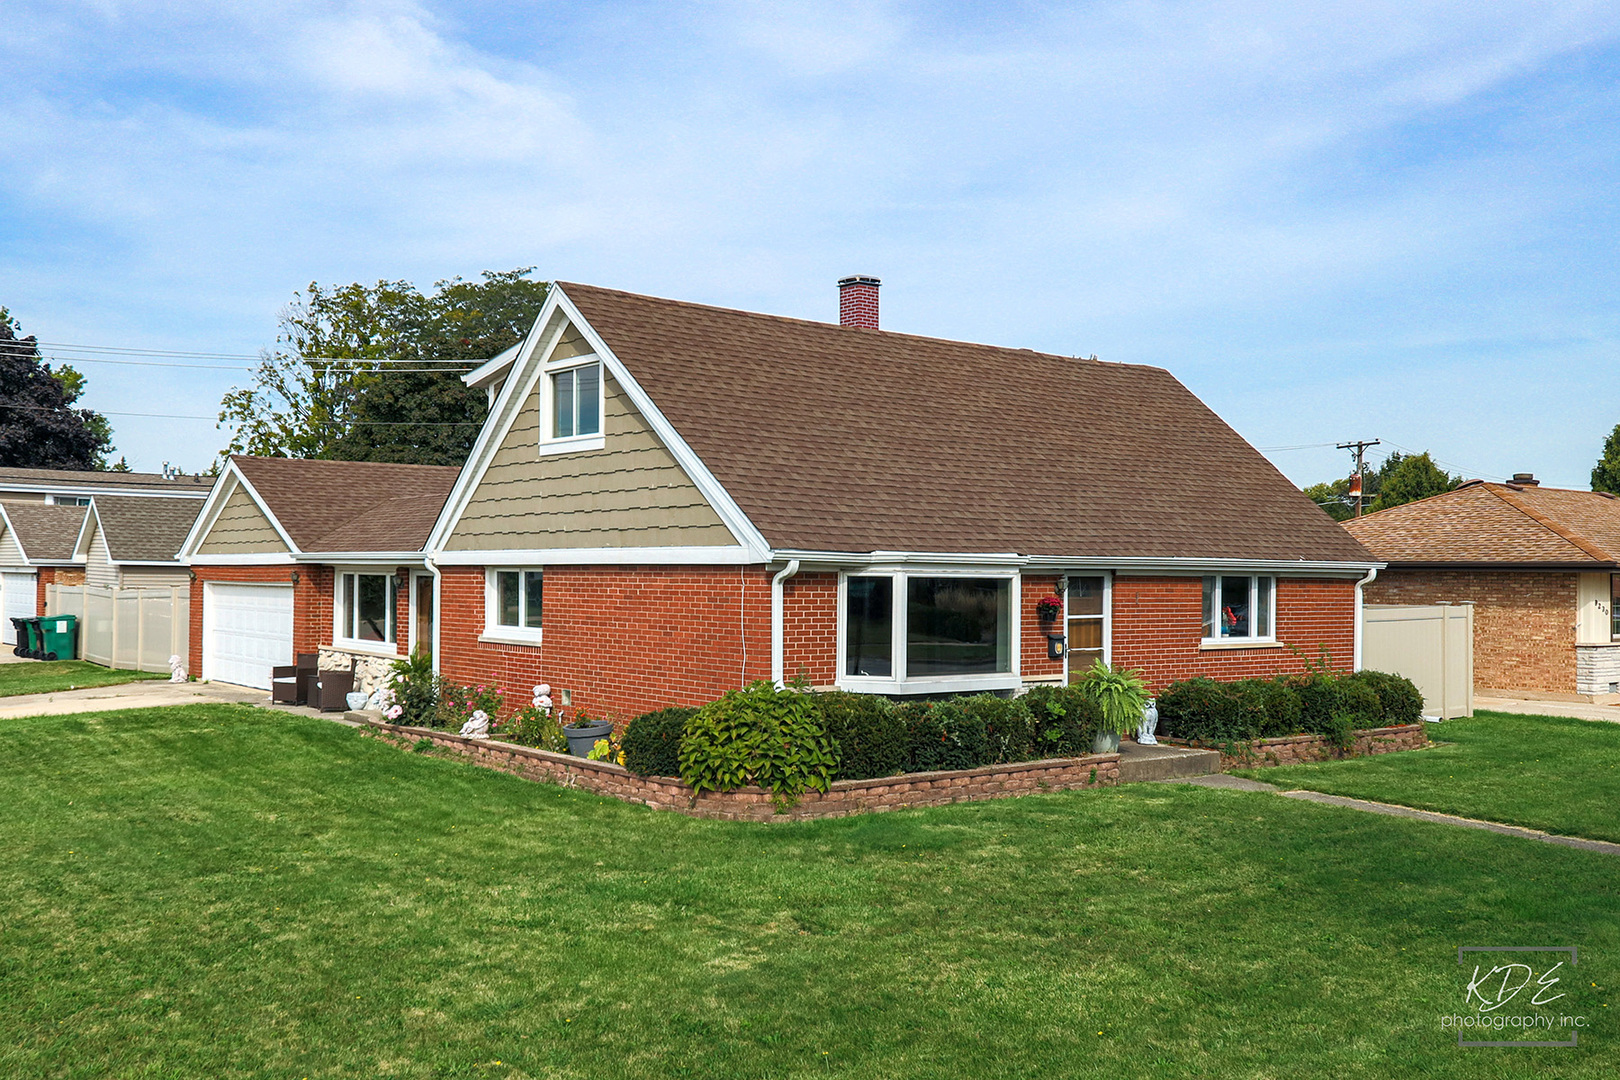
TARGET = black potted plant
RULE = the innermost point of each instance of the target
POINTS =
(582, 733)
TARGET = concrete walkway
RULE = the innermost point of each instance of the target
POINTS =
(143, 695)
(1582, 710)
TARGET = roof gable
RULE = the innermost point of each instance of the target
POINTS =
(137, 529)
(349, 506)
(43, 533)
(1508, 524)
(830, 438)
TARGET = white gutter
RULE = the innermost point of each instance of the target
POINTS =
(1133, 564)
(778, 646)
(1355, 659)
(427, 560)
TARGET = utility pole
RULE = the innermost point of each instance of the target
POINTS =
(1355, 481)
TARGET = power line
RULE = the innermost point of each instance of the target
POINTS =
(216, 419)
(1360, 448)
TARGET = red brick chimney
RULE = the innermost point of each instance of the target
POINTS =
(858, 302)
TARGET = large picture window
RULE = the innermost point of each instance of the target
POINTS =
(926, 632)
(515, 602)
(1238, 608)
(366, 608)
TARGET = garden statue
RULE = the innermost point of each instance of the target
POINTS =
(1150, 724)
(177, 669)
(478, 726)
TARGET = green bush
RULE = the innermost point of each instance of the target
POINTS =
(652, 742)
(1065, 721)
(416, 689)
(1201, 710)
(1319, 703)
(1009, 727)
(532, 726)
(759, 735)
(946, 735)
(1399, 699)
(868, 732)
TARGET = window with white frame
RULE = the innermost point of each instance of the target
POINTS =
(365, 608)
(576, 401)
(905, 627)
(1239, 608)
(514, 602)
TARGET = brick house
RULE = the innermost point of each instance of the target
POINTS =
(669, 500)
(291, 556)
(1538, 564)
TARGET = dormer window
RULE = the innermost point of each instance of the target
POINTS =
(571, 406)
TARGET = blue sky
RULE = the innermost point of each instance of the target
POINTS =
(1332, 221)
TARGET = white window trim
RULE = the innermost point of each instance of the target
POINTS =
(551, 444)
(1107, 617)
(340, 640)
(508, 635)
(1252, 641)
(899, 683)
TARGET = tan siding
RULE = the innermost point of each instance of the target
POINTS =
(151, 577)
(631, 493)
(572, 343)
(10, 553)
(240, 529)
(22, 496)
(98, 567)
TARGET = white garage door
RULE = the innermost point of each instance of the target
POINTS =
(247, 630)
(17, 598)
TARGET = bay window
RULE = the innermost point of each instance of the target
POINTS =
(365, 609)
(1239, 608)
(927, 632)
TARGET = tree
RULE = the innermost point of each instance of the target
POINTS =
(39, 428)
(1409, 479)
(1606, 473)
(358, 376)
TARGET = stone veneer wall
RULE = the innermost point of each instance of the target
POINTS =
(1294, 749)
(1597, 668)
(754, 804)
(370, 670)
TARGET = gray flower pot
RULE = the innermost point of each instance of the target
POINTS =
(1105, 742)
(581, 739)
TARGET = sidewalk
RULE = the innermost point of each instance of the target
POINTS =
(143, 695)
(1582, 710)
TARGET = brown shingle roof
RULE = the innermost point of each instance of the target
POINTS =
(145, 528)
(837, 439)
(336, 506)
(103, 479)
(46, 533)
(1482, 524)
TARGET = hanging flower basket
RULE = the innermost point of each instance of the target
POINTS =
(1048, 608)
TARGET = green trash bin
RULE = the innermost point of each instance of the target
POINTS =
(60, 637)
(30, 638)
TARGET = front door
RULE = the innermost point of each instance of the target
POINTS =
(422, 614)
(1088, 612)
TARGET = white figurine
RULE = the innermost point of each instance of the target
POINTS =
(478, 726)
(177, 669)
(1150, 724)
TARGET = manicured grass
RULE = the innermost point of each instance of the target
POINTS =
(222, 891)
(1547, 772)
(49, 676)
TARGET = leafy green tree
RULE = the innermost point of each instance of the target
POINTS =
(1412, 477)
(1606, 473)
(357, 372)
(39, 428)
(1333, 496)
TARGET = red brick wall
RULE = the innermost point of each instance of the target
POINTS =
(1033, 631)
(810, 628)
(312, 603)
(1158, 624)
(1524, 622)
(623, 639)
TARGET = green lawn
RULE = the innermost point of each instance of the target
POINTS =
(49, 676)
(1548, 772)
(222, 891)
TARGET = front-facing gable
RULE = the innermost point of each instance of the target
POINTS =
(241, 527)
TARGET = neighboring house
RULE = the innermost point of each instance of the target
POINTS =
(669, 500)
(311, 556)
(1538, 564)
(133, 542)
(36, 550)
(75, 487)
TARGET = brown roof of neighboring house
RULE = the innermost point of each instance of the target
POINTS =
(46, 533)
(831, 438)
(1486, 524)
(337, 506)
(103, 479)
(145, 528)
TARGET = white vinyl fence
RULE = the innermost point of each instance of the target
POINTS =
(1431, 644)
(134, 629)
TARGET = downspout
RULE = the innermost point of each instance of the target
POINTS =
(778, 649)
(427, 560)
(1355, 659)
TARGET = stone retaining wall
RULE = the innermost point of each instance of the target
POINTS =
(754, 804)
(1293, 749)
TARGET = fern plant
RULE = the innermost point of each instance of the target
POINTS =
(1120, 695)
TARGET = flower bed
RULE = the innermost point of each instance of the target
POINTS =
(842, 797)
(1294, 749)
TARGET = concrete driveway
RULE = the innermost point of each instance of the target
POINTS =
(142, 695)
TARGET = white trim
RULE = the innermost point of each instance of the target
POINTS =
(1252, 641)
(500, 632)
(277, 558)
(566, 444)
(361, 558)
(513, 393)
(411, 614)
(7, 487)
(1145, 567)
(1107, 617)
(81, 545)
(509, 638)
(490, 370)
(625, 556)
(341, 640)
(12, 529)
(574, 444)
(215, 504)
(899, 680)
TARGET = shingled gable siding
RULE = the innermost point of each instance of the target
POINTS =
(622, 639)
(11, 553)
(631, 493)
(1524, 621)
(241, 528)
(312, 603)
(1158, 623)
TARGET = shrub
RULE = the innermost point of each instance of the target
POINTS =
(1319, 695)
(867, 731)
(947, 735)
(415, 689)
(1065, 721)
(532, 726)
(1009, 727)
(652, 742)
(1200, 709)
(1399, 699)
(457, 703)
(761, 735)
